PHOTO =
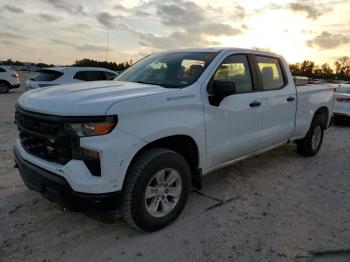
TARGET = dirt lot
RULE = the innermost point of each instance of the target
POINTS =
(284, 208)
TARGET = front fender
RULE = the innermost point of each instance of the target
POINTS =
(168, 114)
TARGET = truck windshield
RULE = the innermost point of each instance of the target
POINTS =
(171, 70)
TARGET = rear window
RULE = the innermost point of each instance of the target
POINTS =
(47, 75)
(271, 72)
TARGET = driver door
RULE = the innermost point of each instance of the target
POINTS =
(233, 128)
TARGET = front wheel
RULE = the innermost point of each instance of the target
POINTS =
(156, 189)
(311, 143)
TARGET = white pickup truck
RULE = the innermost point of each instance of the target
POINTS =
(141, 141)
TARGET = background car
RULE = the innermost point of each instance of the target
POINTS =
(66, 75)
(8, 79)
(341, 109)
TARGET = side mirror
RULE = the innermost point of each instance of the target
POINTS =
(223, 88)
(219, 90)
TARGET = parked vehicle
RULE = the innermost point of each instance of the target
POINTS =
(141, 141)
(66, 75)
(319, 81)
(315, 81)
(8, 79)
(341, 109)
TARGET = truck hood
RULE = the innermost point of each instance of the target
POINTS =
(84, 99)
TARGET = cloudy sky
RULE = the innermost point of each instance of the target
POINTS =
(61, 31)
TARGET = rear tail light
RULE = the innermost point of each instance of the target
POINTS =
(15, 75)
(342, 100)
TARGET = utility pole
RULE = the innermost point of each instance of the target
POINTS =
(107, 46)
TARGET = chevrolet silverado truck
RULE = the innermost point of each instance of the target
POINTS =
(140, 142)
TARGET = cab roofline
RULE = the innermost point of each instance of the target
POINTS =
(221, 49)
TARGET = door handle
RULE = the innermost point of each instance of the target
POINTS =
(291, 98)
(255, 104)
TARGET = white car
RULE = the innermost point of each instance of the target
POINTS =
(341, 109)
(66, 75)
(142, 140)
(8, 79)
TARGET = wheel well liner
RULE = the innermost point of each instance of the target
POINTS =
(183, 145)
(323, 113)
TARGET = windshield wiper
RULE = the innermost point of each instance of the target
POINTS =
(146, 83)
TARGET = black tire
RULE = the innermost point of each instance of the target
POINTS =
(139, 175)
(305, 146)
(4, 87)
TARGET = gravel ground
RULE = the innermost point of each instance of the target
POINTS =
(281, 207)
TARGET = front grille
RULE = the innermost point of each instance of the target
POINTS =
(43, 136)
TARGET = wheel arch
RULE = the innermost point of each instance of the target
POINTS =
(5, 81)
(182, 144)
(323, 113)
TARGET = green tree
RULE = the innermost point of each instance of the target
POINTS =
(295, 69)
(307, 68)
(342, 67)
(110, 65)
(327, 71)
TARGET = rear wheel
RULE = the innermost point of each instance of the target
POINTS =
(156, 189)
(311, 143)
(4, 88)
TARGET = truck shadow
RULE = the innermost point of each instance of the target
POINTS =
(106, 217)
(341, 124)
(218, 187)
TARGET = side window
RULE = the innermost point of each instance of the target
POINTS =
(80, 76)
(271, 72)
(109, 75)
(2, 70)
(236, 68)
(94, 75)
(47, 75)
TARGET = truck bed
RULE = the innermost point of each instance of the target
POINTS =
(311, 97)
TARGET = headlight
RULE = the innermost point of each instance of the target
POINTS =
(92, 128)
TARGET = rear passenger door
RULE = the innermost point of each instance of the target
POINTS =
(278, 101)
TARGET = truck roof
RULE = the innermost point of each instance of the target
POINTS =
(219, 49)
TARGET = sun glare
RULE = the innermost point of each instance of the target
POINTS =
(276, 31)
